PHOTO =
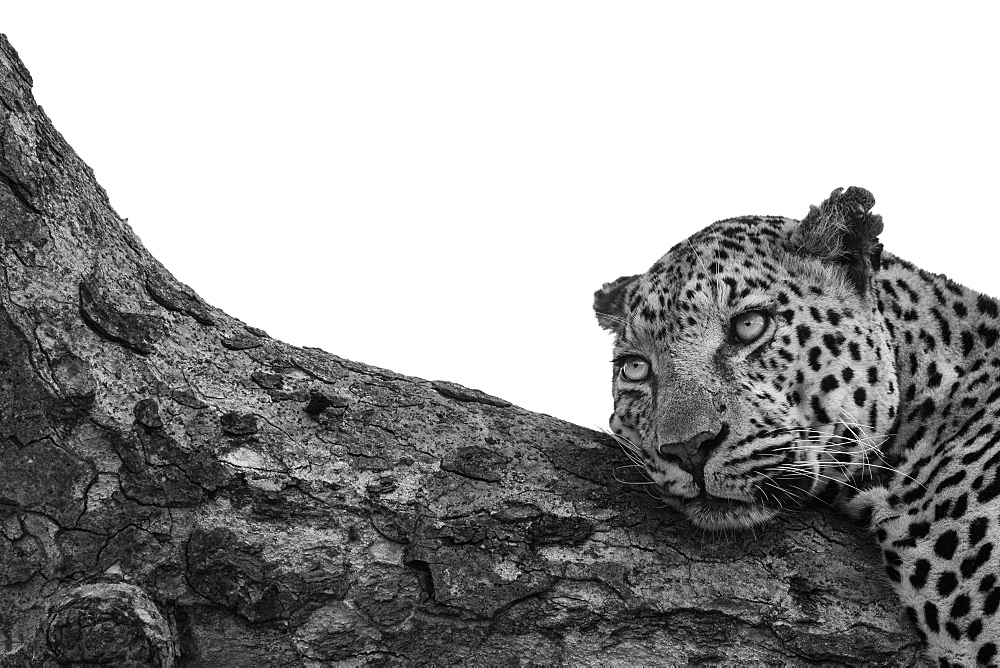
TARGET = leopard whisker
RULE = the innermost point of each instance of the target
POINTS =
(772, 495)
(821, 446)
(868, 440)
(897, 471)
(867, 463)
(637, 467)
(630, 449)
(615, 318)
(796, 493)
(818, 476)
(832, 451)
(634, 484)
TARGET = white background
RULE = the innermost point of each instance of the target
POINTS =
(439, 187)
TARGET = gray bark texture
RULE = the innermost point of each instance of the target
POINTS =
(177, 488)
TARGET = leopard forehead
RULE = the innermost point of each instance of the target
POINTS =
(728, 267)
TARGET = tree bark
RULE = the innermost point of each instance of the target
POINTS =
(178, 488)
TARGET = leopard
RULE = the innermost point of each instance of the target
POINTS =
(765, 363)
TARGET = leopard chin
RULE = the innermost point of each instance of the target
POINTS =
(717, 514)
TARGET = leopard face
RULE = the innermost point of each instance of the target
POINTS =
(751, 369)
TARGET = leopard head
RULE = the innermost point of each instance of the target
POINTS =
(752, 369)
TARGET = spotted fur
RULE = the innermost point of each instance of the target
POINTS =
(874, 386)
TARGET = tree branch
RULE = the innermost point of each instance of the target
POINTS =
(180, 488)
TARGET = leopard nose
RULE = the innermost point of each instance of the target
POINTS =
(691, 455)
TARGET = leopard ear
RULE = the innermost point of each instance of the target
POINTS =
(610, 302)
(843, 230)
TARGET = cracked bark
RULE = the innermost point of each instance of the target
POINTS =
(180, 489)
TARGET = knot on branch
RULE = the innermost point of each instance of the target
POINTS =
(106, 623)
(139, 332)
(174, 298)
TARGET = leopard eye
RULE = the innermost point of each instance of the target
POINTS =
(749, 326)
(635, 368)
